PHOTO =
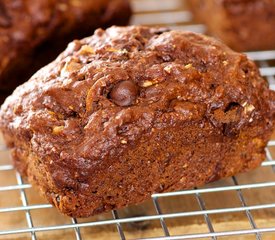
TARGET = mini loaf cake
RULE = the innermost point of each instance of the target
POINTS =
(242, 24)
(132, 111)
(34, 32)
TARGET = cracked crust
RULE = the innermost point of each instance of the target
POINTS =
(132, 111)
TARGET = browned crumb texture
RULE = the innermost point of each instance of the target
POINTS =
(34, 32)
(242, 24)
(133, 111)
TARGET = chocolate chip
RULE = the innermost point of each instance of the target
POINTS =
(159, 31)
(124, 93)
(5, 20)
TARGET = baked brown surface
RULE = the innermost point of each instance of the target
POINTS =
(33, 33)
(242, 24)
(132, 111)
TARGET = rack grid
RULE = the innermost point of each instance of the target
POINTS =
(170, 13)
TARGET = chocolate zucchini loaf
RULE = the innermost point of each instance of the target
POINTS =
(242, 24)
(132, 111)
(34, 32)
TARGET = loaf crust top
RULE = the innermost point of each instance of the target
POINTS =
(105, 92)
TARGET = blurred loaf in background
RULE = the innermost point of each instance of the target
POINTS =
(244, 25)
(32, 33)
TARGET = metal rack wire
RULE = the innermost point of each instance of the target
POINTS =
(171, 13)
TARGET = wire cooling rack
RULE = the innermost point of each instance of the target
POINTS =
(241, 207)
